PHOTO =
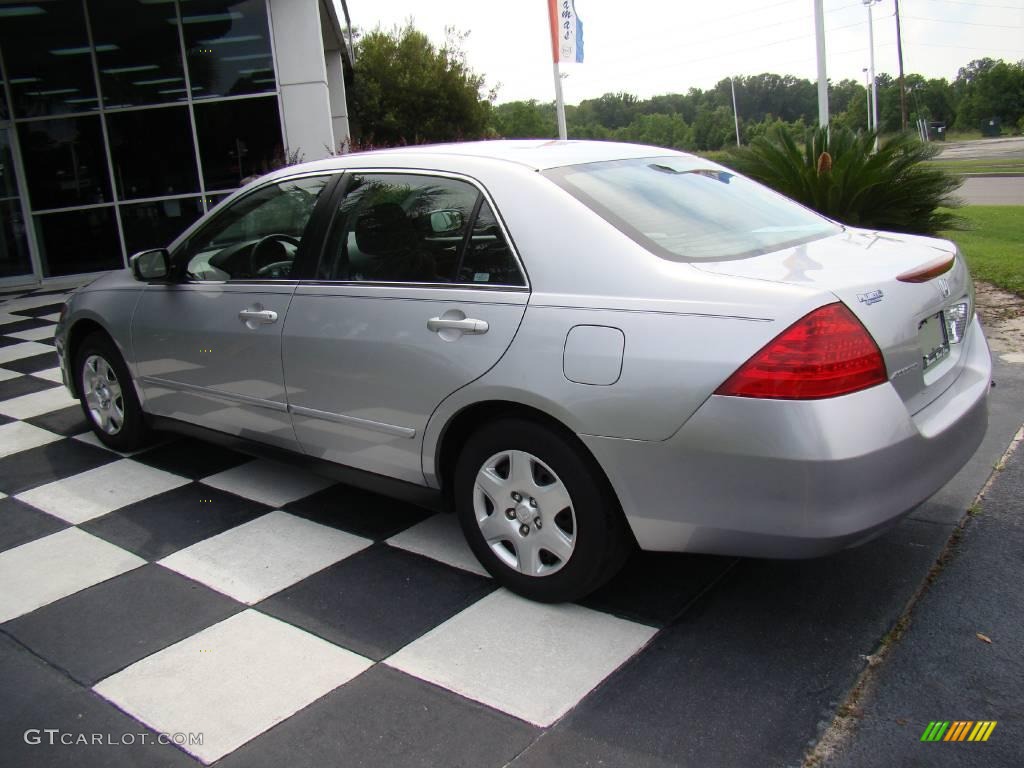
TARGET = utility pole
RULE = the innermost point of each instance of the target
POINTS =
(819, 34)
(899, 56)
(735, 114)
(867, 96)
(874, 80)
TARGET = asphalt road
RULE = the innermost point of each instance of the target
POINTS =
(993, 190)
(985, 149)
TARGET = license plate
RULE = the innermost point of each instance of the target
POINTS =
(934, 341)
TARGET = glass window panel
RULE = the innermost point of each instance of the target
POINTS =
(14, 258)
(156, 224)
(488, 259)
(238, 140)
(400, 228)
(141, 60)
(228, 47)
(65, 162)
(153, 152)
(78, 241)
(257, 237)
(47, 57)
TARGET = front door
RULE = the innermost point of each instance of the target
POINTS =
(417, 294)
(208, 343)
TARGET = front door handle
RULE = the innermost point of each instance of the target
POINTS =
(257, 316)
(466, 325)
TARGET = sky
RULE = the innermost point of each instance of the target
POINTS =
(649, 47)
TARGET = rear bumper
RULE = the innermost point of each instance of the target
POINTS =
(769, 478)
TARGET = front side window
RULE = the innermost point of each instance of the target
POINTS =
(256, 238)
(686, 209)
(411, 228)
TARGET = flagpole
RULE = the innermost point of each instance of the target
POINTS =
(560, 104)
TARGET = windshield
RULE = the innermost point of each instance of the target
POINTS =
(685, 208)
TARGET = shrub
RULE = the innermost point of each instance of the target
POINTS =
(838, 173)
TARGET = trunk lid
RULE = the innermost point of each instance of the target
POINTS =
(913, 323)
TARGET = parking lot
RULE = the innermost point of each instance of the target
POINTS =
(260, 615)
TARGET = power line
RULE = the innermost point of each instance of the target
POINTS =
(982, 5)
(963, 23)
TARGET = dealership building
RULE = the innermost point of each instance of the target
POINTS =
(123, 121)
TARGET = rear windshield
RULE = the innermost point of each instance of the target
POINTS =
(689, 209)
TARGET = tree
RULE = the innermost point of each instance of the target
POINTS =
(407, 91)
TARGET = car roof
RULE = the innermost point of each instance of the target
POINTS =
(537, 154)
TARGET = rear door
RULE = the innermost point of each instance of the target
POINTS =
(418, 292)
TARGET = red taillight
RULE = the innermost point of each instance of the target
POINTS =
(826, 353)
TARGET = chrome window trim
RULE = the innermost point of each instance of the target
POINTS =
(395, 171)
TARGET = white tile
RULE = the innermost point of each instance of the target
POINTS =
(231, 682)
(268, 482)
(6, 318)
(6, 374)
(530, 660)
(25, 349)
(38, 403)
(55, 566)
(18, 436)
(261, 557)
(440, 538)
(35, 334)
(50, 374)
(50, 318)
(98, 491)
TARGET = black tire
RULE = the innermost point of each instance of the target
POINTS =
(601, 539)
(132, 432)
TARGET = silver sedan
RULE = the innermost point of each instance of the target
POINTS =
(580, 346)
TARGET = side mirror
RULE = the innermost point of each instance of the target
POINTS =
(446, 222)
(151, 265)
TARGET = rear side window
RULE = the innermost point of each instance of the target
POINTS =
(413, 228)
(686, 209)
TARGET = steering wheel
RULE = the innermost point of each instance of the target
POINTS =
(257, 264)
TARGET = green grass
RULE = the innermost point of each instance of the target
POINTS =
(994, 244)
(1010, 165)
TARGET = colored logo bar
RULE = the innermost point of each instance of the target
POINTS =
(958, 730)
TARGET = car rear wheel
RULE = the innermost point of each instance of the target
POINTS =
(537, 511)
(107, 395)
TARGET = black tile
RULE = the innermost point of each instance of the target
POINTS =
(37, 696)
(65, 421)
(357, 511)
(20, 524)
(54, 461)
(655, 587)
(378, 600)
(52, 291)
(22, 325)
(6, 341)
(45, 309)
(155, 527)
(96, 632)
(35, 363)
(23, 385)
(192, 458)
(755, 667)
(387, 718)
(6, 419)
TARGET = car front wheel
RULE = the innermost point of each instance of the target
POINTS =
(537, 511)
(107, 395)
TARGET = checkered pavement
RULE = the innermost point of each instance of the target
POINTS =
(187, 588)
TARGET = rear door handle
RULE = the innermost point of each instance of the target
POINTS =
(467, 325)
(263, 316)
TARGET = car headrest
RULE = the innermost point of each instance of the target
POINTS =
(384, 229)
